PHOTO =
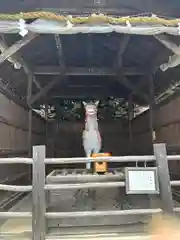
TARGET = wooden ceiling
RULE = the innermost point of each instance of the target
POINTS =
(90, 61)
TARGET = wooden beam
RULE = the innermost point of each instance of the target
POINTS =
(29, 95)
(89, 50)
(59, 50)
(120, 73)
(30, 132)
(168, 43)
(4, 47)
(16, 47)
(14, 98)
(123, 80)
(84, 71)
(46, 89)
(122, 47)
(16, 58)
(61, 73)
(75, 96)
(29, 88)
(139, 86)
(130, 117)
(84, 86)
(152, 70)
(152, 108)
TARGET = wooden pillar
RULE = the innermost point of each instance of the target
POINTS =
(164, 178)
(151, 109)
(38, 194)
(130, 117)
(30, 132)
(29, 95)
(46, 124)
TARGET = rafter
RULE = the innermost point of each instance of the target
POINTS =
(123, 80)
(59, 51)
(152, 70)
(17, 59)
(4, 47)
(16, 47)
(85, 93)
(120, 74)
(120, 77)
(139, 86)
(10, 95)
(168, 43)
(61, 76)
(85, 71)
(122, 47)
(46, 89)
(89, 49)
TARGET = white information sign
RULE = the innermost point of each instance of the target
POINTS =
(141, 181)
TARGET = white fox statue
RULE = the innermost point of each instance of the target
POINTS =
(91, 136)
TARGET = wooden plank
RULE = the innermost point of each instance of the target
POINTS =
(168, 43)
(38, 194)
(89, 49)
(84, 71)
(16, 47)
(152, 108)
(46, 89)
(57, 79)
(123, 80)
(16, 58)
(59, 50)
(122, 47)
(164, 177)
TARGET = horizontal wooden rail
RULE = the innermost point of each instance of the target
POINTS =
(175, 183)
(16, 160)
(100, 159)
(84, 185)
(15, 188)
(56, 215)
(6, 215)
(125, 159)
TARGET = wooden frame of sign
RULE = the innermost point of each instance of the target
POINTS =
(141, 180)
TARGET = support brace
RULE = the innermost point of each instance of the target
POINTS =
(16, 47)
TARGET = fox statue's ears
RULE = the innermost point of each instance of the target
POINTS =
(96, 103)
(84, 103)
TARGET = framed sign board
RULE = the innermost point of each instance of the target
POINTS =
(141, 180)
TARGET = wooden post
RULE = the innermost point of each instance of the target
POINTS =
(29, 94)
(38, 194)
(130, 116)
(30, 132)
(164, 177)
(46, 118)
(151, 109)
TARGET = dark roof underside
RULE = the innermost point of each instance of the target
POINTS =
(119, 7)
(142, 52)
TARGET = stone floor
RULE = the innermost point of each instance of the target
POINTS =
(22, 227)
